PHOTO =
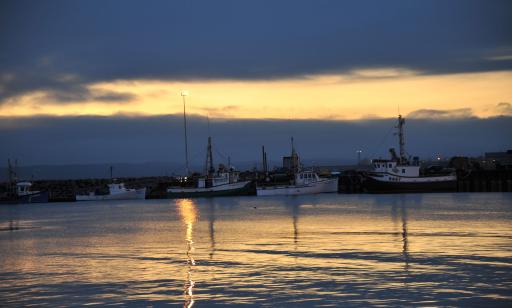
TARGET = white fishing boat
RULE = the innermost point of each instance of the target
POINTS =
(223, 182)
(401, 174)
(220, 184)
(116, 191)
(303, 182)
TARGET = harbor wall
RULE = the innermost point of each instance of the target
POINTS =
(350, 182)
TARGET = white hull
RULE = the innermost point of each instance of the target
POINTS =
(392, 178)
(218, 188)
(125, 195)
(322, 186)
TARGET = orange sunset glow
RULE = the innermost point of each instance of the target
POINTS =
(361, 94)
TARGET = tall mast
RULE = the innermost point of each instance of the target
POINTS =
(401, 138)
(295, 159)
(183, 94)
(264, 157)
(210, 170)
(10, 172)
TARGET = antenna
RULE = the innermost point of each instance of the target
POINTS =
(401, 138)
(208, 119)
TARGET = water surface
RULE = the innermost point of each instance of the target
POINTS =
(322, 250)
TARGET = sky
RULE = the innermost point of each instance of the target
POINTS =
(249, 62)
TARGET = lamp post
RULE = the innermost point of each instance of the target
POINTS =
(183, 94)
(359, 157)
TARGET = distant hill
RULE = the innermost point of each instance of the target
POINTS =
(120, 170)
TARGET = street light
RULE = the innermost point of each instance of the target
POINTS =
(359, 156)
(183, 94)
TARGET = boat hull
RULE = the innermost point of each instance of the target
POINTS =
(445, 184)
(127, 195)
(232, 189)
(36, 197)
(324, 186)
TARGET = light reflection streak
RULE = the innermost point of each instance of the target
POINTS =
(188, 213)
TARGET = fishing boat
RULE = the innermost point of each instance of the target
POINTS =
(401, 174)
(24, 194)
(221, 182)
(21, 192)
(116, 191)
(303, 182)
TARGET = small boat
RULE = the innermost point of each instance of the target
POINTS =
(117, 191)
(223, 182)
(21, 192)
(303, 182)
(24, 194)
(400, 174)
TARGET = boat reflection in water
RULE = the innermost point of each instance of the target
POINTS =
(293, 206)
(399, 215)
(211, 226)
(188, 214)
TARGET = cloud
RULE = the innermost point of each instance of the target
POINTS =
(80, 94)
(382, 73)
(504, 108)
(220, 112)
(51, 45)
(441, 114)
(69, 139)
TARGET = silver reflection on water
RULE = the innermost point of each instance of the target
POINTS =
(188, 213)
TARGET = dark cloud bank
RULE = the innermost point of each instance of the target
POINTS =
(61, 46)
(118, 139)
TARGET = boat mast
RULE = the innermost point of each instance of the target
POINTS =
(12, 176)
(264, 157)
(183, 94)
(210, 170)
(295, 160)
(401, 139)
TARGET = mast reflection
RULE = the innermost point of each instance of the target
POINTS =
(295, 211)
(399, 215)
(188, 213)
(405, 248)
(293, 206)
(211, 220)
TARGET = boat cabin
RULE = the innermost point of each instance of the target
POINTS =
(23, 188)
(393, 168)
(116, 188)
(306, 177)
(220, 178)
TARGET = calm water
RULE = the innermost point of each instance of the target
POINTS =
(344, 250)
